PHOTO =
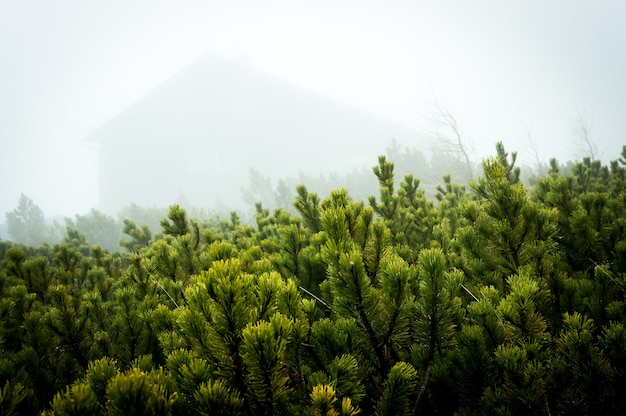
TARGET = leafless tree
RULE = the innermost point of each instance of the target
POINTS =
(585, 144)
(447, 137)
(531, 145)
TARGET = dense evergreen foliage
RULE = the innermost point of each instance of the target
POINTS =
(500, 299)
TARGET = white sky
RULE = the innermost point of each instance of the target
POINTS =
(502, 68)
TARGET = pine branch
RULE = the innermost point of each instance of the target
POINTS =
(374, 341)
(423, 388)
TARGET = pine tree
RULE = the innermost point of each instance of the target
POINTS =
(399, 391)
(11, 396)
(263, 354)
(176, 223)
(507, 230)
(139, 393)
(506, 300)
(140, 236)
(26, 223)
(98, 228)
(582, 372)
(408, 214)
(434, 315)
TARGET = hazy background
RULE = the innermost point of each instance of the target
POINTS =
(503, 69)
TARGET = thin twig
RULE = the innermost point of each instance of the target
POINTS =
(470, 293)
(315, 297)
(164, 290)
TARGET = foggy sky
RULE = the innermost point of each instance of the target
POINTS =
(503, 70)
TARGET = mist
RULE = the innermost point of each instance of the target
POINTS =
(331, 85)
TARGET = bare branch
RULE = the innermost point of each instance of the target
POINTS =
(447, 136)
(581, 128)
(533, 148)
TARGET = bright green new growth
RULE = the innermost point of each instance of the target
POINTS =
(502, 299)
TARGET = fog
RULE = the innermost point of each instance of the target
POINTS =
(505, 71)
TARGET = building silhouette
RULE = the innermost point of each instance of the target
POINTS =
(197, 135)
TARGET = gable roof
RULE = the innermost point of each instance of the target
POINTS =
(221, 109)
